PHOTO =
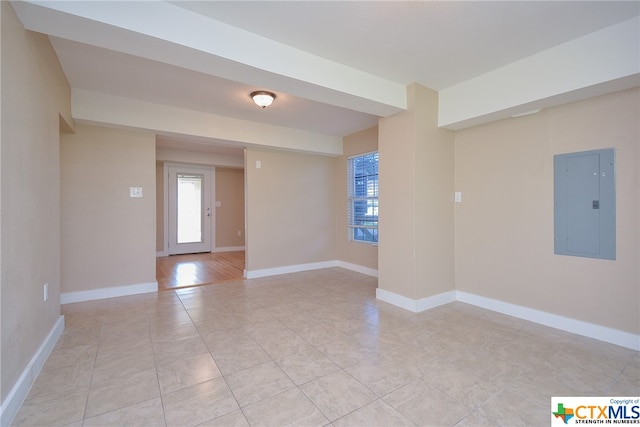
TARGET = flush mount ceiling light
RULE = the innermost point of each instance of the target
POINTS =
(263, 98)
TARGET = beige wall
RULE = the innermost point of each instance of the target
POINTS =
(290, 209)
(159, 207)
(361, 254)
(200, 157)
(434, 180)
(108, 238)
(396, 259)
(504, 225)
(416, 252)
(35, 95)
(230, 213)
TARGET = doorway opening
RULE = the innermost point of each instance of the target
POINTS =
(200, 217)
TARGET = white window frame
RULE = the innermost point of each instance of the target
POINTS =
(371, 199)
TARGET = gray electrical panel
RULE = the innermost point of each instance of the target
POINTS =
(584, 192)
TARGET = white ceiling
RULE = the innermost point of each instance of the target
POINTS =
(436, 43)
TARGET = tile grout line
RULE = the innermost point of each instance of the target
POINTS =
(93, 367)
(155, 363)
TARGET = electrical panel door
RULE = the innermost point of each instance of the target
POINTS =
(585, 204)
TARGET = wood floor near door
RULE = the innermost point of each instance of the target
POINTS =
(179, 271)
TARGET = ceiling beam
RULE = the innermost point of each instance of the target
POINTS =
(164, 32)
(601, 62)
(102, 109)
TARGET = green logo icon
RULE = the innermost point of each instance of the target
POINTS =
(565, 413)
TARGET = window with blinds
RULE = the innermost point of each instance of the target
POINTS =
(362, 196)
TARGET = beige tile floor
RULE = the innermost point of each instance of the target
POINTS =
(311, 349)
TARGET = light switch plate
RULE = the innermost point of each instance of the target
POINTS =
(135, 191)
(458, 197)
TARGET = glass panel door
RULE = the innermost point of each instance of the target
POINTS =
(190, 214)
(189, 209)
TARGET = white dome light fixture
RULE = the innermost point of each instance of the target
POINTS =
(263, 98)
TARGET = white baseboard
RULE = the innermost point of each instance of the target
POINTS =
(254, 274)
(228, 249)
(116, 291)
(435, 301)
(397, 300)
(574, 326)
(579, 327)
(358, 268)
(214, 250)
(413, 305)
(11, 404)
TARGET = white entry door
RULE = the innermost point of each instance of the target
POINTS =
(190, 214)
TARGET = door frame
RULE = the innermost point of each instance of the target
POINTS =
(166, 177)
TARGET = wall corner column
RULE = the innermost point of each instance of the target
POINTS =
(416, 248)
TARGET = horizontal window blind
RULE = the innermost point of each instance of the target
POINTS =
(362, 192)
